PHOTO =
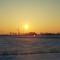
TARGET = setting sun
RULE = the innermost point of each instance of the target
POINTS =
(26, 27)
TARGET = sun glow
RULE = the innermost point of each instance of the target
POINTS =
(26, 27)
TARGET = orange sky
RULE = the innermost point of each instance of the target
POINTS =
(39, 15)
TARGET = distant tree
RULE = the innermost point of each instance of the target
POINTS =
(32, 33)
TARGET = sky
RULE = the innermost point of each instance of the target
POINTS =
(39, 15)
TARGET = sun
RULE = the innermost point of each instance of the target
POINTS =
(26, 27)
